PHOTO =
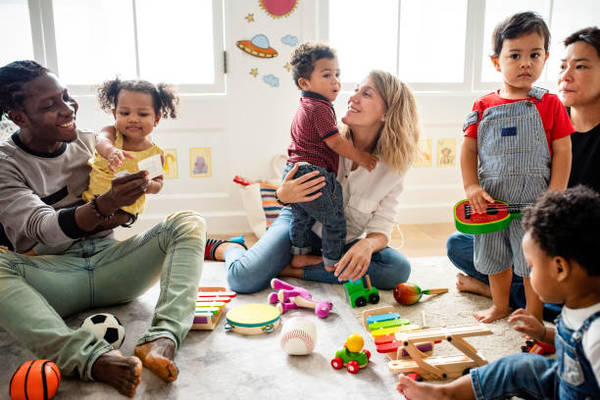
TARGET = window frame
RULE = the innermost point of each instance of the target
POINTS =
(41, 17)
(473, 54)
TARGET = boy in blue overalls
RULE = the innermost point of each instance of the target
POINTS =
(560, 245)
(520, 134)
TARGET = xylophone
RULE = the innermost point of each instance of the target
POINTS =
(210, 303)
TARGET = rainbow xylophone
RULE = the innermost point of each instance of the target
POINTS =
(210, 303)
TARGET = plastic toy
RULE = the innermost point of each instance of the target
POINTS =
(358, 295)
(35, 380)
(537, 347)
(440, 367)
(289, 297)
(210, 304)
(352, 356)
(106, 326)
(383, 322)
(252, 319)
(409, 293)
(240, 180)
(496, 217)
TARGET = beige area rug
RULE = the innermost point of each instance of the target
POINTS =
(220, 365)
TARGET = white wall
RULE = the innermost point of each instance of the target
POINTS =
(250, 124)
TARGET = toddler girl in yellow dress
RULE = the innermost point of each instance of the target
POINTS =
(137, 106)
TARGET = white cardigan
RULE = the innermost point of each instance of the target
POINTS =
(370, 199)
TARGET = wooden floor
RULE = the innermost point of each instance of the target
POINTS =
(426, 240)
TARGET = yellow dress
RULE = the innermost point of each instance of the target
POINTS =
(101, 176)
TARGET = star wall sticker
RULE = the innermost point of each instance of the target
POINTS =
(254, 72)
(288, 66)
(250, 17)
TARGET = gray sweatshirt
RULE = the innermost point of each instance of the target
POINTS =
(35, 186)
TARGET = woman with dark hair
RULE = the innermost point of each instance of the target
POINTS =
(579, 90)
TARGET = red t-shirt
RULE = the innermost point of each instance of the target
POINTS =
(313, 123)
(555, 119)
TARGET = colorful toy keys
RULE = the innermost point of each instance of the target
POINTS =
(289, 297)
(409, 293)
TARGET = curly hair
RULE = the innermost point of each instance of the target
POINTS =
(305, 56)
(518, 25)
(12, 78)
(397, 144)
(163, 95)
(589, 35)
(565, 224)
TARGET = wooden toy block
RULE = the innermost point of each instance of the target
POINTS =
(210, 305)
(439, 367)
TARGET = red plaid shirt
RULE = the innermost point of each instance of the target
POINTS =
(313, 123)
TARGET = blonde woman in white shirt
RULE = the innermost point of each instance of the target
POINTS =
(382, 119)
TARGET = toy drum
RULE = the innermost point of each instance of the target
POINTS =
(252, 319)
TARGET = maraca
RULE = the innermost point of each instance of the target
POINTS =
(409, 293)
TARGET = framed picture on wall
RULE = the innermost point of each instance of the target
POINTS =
(200, 162)
(170, 168)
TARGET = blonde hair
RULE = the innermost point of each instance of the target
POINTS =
(397, 142)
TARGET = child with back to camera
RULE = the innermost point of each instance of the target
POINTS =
(520, 135)
(317, 145)
(560, 245)
(137, 107)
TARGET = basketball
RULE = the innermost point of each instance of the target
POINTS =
(35, 380)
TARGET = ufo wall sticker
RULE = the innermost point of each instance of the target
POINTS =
(258, 46)
(278, 8)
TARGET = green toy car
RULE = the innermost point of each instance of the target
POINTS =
(358, 295)
(353, 356)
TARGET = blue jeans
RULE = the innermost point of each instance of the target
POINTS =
(37, 291)
(327, 209)
(459, 248)
(250, 271)
(528, 376)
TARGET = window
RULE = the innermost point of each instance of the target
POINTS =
(88, 41)
(440, 45)
(402, 37)
(15, 25)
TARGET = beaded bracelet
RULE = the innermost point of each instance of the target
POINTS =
(99, 215)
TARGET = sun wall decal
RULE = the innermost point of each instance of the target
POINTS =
(278, 8)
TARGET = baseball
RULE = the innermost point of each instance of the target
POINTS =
(299, 336)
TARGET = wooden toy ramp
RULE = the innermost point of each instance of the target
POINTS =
(440, 367)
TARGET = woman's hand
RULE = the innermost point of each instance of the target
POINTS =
(478, 198)
(528, 325)
(301, 189)
(354, 264)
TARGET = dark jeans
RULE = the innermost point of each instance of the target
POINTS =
(327, 209)
(459, 248)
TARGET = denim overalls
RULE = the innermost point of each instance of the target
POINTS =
(531, 376)
(514, 166)
(576, 379)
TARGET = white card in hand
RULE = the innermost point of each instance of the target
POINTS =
(153, 165)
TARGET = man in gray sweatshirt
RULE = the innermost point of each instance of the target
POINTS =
(64, 258)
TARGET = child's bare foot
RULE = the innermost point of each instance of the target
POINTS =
(491, 314)
(418, 390)
(289, 271)
(158, 357)
(122, 373)
(466, 283)
(304, 260)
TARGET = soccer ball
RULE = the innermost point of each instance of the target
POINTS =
(107, 327)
